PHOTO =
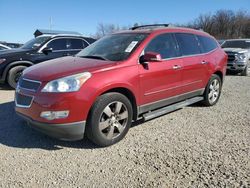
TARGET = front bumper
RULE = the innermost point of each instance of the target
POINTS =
(64, 131)
(236, 66)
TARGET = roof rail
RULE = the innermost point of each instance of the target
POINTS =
(151, 25)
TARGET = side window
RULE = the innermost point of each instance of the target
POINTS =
(2, 48)
(77, 44)
(188, 44)
(58, 44)
(208, 44)
(163, 44)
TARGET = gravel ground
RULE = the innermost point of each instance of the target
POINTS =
(192, 147)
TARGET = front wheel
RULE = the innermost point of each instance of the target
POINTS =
(14, 75)
(212, 91)
(245, 71)
(109, 119)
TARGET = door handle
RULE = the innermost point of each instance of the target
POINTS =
(204, 62)
(175, 67)
(66, 54)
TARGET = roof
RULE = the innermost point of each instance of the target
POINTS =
(39, 32)
(165, 29)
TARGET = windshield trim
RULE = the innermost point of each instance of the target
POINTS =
(35, 48)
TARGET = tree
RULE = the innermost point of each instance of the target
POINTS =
(104, 29)
(224, 24)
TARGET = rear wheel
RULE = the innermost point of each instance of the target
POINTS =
(14, 75)
(212, 91)
(109, 119)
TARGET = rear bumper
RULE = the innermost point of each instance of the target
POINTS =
(67, 131)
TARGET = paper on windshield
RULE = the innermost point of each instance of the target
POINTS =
(131, 46)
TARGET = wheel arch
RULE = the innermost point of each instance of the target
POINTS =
(122, 90)
(14, 64)
(220, 74)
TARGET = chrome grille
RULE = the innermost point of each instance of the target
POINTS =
(231, 57)
(27, 84)
(23, 100)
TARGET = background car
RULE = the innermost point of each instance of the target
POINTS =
(39, 49)
(221, 41)
(3, 47)
(238, 51)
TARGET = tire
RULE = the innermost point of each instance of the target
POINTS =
(14, 74)
(109, 119)
(245, 71)
(212, 91)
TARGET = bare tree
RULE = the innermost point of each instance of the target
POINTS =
(224, 24)
(105, 29)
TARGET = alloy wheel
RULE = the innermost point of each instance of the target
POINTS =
(113, 120)
(214, 91)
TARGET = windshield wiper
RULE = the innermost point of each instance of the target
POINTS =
(95, 57)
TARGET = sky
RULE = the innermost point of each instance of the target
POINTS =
(20, 18)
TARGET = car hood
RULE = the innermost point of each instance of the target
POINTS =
(11, 52)
(235, 50)
(65, 66)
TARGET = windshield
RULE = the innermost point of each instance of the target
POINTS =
(236, 44)
(35, 43)
(115, 47)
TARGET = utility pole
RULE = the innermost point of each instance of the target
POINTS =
(50, 23)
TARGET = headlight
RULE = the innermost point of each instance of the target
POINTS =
(67, 84)
(241, 56)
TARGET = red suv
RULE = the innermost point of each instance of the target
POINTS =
(144, 72)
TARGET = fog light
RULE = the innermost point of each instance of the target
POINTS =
(51, 115)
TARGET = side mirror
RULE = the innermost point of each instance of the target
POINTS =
(150, 57)
(47, 50)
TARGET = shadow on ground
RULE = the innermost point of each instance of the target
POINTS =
(14, 132)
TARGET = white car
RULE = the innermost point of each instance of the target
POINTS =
(3, 47)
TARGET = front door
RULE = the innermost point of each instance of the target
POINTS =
(160, 81)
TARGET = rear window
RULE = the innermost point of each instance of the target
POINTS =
(208, 44)
(77, 44)
(58, 44)
(188, 44)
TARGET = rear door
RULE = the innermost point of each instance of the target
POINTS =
(160, 81)
(209, 57)
(194, 69)
(75, 45)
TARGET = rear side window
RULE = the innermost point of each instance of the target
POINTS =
(58, 44)
(163, 44)
(188, 44)
(208, 44)
(77, 44)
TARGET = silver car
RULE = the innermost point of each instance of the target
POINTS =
(238, 51)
